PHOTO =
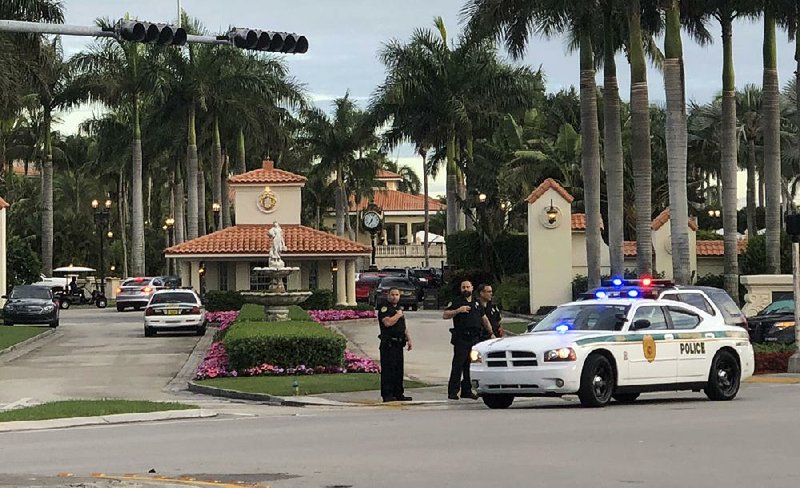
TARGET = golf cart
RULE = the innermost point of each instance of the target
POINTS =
(68, 294)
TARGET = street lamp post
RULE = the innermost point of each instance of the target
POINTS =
(101, 217)
(169, 223)
(217, 208)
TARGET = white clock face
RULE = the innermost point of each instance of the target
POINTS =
(372, 220)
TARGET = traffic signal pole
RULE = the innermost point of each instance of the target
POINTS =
(79, 30)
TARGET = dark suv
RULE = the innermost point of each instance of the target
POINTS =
(774, 324)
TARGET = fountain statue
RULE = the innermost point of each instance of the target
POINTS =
(275, 298)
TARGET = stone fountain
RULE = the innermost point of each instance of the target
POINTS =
(275, 298)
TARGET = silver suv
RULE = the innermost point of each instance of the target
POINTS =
(136, 292)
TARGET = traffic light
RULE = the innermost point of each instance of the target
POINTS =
(159, 34)
(274, 42)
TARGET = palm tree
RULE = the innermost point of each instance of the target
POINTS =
(749, 108)
(514, 22)
(410, 182)
(121, 75)
(771, 134)
(339, 142)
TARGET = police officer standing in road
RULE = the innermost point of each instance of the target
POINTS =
(468, 318)
(492, 311)
(394, 336)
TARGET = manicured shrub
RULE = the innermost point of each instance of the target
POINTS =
(283, 344)
(319, 300)
(298, 314)
(251, 312)
(512, 298)
(222, 301)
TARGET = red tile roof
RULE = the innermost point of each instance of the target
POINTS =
(397, 201)
(704, 248)
(3, 204)
(663, 218)
(546, 185)
(579, 221)
(385, 174)
(267, 175)
(253, 239)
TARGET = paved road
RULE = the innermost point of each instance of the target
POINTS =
(96, 354)
(677, 440)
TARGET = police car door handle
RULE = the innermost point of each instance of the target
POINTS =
(669, 337)
(710, 335)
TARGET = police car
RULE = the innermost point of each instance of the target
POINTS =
(615, 347)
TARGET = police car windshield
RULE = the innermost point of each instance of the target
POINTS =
(589, 317)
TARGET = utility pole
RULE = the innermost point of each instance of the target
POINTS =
(180, 13)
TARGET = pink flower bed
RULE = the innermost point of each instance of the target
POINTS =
(216, 365)
(335, 315)
(224, 319)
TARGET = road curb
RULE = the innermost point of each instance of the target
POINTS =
(774, 379)
(184, 376)
(266, 398)
(27, 342)
(123, 418)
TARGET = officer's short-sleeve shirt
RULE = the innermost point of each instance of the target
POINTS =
(398, 330)
(471, 320)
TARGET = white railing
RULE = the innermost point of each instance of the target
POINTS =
(410, 251)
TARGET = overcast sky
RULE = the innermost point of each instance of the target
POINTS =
(345, 36)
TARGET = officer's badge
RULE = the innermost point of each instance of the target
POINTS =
(649, 347)
(449, 304)
(384, 309)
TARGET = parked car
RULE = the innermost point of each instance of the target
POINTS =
(174, 310)
(366, 284)
(30, 305)
(714, 301)
(420, 283)
(773, 324)
(408, 292)
(432, 276)
(136, 292)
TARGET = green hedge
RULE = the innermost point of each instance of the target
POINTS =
(319, 300)
(463, 249)
(466, 251)
(754, 259)
(513, 294)
(284, 344)
(298, 314)
(222, 301)
(251, 312)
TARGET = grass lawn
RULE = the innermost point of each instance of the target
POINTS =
(516, 327)
(309, 385)
(14, 335)
(87, 408)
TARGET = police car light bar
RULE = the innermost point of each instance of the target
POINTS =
(641, 282)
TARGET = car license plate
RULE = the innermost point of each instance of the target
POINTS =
(172, 311)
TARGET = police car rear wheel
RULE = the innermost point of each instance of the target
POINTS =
(724, 377)
(498, 401)
(597, 382)
(625, 397)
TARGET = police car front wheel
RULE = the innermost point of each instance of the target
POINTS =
(724, 377)
(597, 382)
(498, 400)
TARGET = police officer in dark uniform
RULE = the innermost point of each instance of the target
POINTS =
(492, 311)
(394, 336)
(468, 319)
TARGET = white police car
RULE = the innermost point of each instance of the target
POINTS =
(615, 348)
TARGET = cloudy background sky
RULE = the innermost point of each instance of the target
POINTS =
(345, 36)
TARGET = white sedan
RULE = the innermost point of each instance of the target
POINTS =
(614, 348)
(174, 310)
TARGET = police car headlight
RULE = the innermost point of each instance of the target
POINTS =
(475, 356)
(562, 354)
(782, 325)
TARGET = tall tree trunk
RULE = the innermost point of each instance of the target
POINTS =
(451, 188)
(590, 159)
(123, 221)
(47, 200)
(676, 138)
(191, 178)
(180, 210)
(771, 121)
(612, 149)
(729, 162)
(241, 163)
(427, 208)
(225, 196)
(761, 190)
(216, 171)
(751, 189)
(341, 202)
(138, 267)
(640, 143)
(202, 213)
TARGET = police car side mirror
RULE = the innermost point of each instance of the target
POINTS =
(640, 324)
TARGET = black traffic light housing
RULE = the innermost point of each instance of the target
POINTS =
(275, 42)
(147, 32)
